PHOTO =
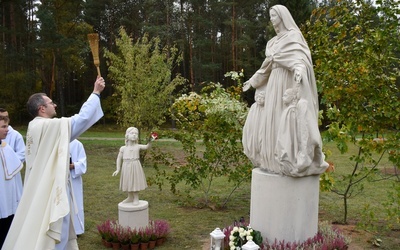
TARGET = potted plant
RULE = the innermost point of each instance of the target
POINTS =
(162, 229)
(239, 233)
(144, 238)
(135, 239)
(106, 230)
(124, 237)
(153, 237)
(115, 234)
(102, 232)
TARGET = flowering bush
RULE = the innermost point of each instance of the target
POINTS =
(124, 235)
(106, 229)
(112, 231)
(116, 231)
(327, 237)
(210, 129)
(135, 236)
(161, 228)
(144, 234)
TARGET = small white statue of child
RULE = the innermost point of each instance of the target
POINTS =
(132, 178)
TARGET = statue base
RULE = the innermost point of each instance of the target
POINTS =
(284, 208)
(133, 216)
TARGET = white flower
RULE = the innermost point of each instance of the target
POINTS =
(241, 230)
(233, 248)
(249, 237)
(235, 229)
(231, 244)
(232, 237)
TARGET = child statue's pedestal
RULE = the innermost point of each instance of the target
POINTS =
(134, 216)
(284, 208)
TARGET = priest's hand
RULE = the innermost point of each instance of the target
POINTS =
(115, 173)
(99, 85)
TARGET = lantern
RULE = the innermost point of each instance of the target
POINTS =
(250, 245)
(217, 237)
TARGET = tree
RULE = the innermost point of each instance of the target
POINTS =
(210, 129)
(144, 84)
(17, 64)
(354, 46)
(61, 43)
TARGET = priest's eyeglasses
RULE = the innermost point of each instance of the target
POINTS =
(50, 103)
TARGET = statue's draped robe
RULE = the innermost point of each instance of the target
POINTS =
(284, 53)
(45, 201)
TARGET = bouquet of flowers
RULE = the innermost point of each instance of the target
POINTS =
(241, 234)
(153, 136)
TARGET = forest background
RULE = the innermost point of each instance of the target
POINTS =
(167, 49)
(45, 47)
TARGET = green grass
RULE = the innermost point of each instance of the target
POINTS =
(190, 226)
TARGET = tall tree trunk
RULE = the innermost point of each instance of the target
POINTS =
(53, 76)
(12, 27)
(233, 50)
(192, 83)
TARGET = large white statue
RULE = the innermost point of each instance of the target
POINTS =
(274, 138)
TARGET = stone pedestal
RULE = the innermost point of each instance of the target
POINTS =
(134, 216)
(284, 208)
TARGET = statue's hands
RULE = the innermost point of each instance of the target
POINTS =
(297, 75)
(115, 173)
(246, 86)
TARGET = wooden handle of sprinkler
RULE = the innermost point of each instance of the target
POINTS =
(98, 71)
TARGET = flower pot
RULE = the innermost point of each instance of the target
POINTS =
(159, 241)
(116, 245)
(125, 246)
(144, 245)
(152, 244)
(108, 244)
(135, 246)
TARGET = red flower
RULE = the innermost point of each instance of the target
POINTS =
(154, 136)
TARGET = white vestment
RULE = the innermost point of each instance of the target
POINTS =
(10, 166)
(45, 201)
(78, 157)
(16, 142)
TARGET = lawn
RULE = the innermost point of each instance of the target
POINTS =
(191, 226)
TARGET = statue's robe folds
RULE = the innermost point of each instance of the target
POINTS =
(285, 53)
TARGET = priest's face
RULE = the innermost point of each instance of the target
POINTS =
(3, 129)
(49, 109)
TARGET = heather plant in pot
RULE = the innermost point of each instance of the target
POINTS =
(135, 237)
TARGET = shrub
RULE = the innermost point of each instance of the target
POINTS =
(210, 132)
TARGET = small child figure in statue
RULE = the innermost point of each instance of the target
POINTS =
(133, 178)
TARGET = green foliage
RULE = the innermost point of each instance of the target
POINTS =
(392, 207)
(210, 131)
(354, 47)
(142, 76)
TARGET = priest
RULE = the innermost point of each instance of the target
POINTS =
(43, 219)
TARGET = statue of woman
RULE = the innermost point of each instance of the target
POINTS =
(288, 63)
(132, 178)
